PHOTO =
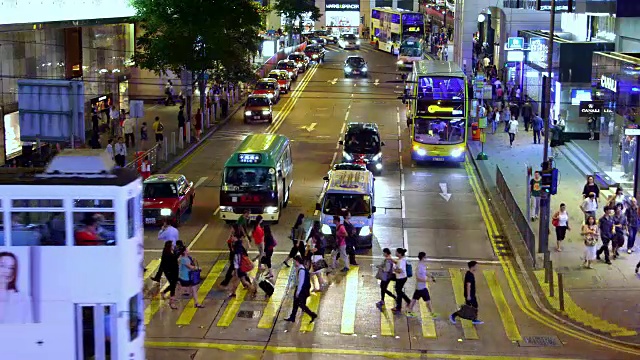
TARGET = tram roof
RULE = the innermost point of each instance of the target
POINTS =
(268, 146)
(438, 68)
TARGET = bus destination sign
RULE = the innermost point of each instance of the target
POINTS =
(249, 158)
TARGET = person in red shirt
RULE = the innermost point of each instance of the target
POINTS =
(258, 237)
(88, 234)
(341, 244)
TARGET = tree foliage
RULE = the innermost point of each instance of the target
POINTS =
(295, 9)
(196, 35)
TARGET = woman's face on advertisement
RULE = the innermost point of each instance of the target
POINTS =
(7, 268)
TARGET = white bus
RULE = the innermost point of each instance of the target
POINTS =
(390, 27)
(72, 261)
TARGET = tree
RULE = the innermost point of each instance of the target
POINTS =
(196, 36)
(294, 10)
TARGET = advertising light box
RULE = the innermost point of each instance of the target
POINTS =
(40, 11)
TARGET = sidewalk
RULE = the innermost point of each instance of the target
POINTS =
(608, 294)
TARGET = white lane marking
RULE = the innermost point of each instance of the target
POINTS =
(337, 145)
(397, 108)
(401, 166)
(368, 257)
(333, 160)
(195, 239)
(398, 117)
(399, 132)
(217, 211)
(405, 241)
(354, 85)
(200, 181)
(399, 146)
(401, 181)
(351, 95)
(404, 208)
(344, 126)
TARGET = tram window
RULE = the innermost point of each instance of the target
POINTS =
(94, 228)
(131, 217)
(30, 203)
(38, 229)
(89, 203)
(135, 316)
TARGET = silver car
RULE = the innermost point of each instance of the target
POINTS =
(349, 41)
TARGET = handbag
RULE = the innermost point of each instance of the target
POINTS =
(194, 275)
(246, 264)
(319, 265)
(468, 312)
(555, 222)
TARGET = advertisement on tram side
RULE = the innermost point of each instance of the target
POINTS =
(17, 288)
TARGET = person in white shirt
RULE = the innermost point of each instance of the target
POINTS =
(401, 278)
(120, 154)
(109, 148)
(168, 233)
(129, 127)
(589, 206)
(486, 62)
(114, 114)
(512, 129)
(421, 292)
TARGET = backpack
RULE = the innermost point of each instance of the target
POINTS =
(409, 270)
(160, 127)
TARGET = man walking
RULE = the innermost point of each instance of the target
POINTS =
(128, 127)
(537, 126)
(303, 290)
(341, 244)
(120, 154)
(527, 113)
(469, 293)
(606, 233)
(158, 129)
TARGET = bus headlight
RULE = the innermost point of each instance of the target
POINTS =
(271, 210)
(347, 69)
(226, 209)
(378, 166)
(357, 42)
(347, 156)
(247, 113)
(377, 157)
(266, 112)
(364, 69)
(365, 231)
(165, 212)
(457, 152)
(420, 151)
(326, 229)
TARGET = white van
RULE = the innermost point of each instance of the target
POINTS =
(348, 191)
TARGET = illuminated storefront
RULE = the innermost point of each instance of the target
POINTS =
(570, 76)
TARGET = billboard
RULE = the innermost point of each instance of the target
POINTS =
(40, 11)
(16, 286)
(12, 143)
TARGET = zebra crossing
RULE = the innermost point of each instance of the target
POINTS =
(346, 307)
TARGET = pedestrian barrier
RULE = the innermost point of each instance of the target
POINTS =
(154, 157)
(516, 214)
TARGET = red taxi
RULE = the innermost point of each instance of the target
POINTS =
(167, 196)
(269, 87)
(284, 81)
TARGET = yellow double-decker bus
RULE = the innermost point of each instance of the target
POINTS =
(436, 95)
(390, 27)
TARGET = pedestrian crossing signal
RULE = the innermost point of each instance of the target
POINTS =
(549, 182)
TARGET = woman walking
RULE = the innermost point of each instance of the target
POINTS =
(234, 236)
(620, 230)
(401, 278)
(590, 234)
(297, 237)
(633, 217)
(316, 249)
(258, 237)
(169, 266)
(242, 265)
(269, 246)
(185, 269)
(385, 275)
(561, 222)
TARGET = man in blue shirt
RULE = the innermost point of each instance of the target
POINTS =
(537, 126)
(606, 233)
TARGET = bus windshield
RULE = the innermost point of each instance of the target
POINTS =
(250, 178)
(439, 131)
(410, 50)
(341, 204)
(441, 88)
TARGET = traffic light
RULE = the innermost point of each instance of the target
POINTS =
(549, 180)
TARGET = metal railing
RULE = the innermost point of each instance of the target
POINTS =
(155, 156)
(516, 214)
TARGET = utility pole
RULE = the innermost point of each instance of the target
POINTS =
(545, 198)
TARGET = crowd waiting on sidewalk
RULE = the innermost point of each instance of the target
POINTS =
(311, 271)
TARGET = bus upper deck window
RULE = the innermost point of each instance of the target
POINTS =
(38, 223)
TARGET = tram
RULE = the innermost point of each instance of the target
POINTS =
(72, 260)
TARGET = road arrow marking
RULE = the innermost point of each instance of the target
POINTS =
(376, 82)
(201, 181)
(444, 193)
(309, 128)
(334, 81)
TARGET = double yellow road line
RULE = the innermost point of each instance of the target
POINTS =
(291, 101)
(516, 286)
